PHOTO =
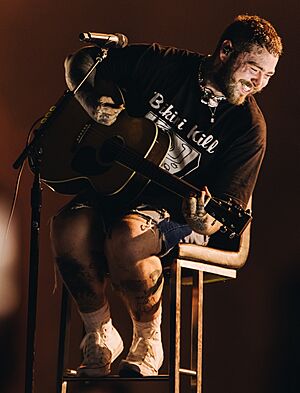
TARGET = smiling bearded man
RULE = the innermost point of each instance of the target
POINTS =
(217, 135)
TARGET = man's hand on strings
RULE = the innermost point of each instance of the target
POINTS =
(107, 111)
(193, 209)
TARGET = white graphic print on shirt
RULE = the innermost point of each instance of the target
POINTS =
(182, 157)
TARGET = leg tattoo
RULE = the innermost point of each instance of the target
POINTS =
(83, 282)
(143, 296)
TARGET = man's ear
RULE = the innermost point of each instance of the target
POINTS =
(225, 50)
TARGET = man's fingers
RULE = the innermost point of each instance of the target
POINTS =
(107, 111)
(107, 102)
(190, 206)
(194, 205)
(201, 198)
(207, 191)
(114, 106)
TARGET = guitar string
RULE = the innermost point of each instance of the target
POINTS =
(135, 156)
(137, 160)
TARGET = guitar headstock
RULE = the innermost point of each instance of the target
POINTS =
(233, 217)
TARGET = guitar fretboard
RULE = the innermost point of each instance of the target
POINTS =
(134, 161)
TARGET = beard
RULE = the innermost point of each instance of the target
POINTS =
(230, 87)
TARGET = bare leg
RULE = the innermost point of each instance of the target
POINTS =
(135, 270)
(77, 244)
(78, 248)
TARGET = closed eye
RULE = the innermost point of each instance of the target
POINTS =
(255, 69)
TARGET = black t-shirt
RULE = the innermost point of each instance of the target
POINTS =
(161, 84)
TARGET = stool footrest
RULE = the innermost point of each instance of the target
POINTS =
(185, 371)
(114, 378)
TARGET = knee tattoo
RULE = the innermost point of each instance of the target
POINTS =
(144, 296)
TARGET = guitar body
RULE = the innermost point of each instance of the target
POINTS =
(74, 151)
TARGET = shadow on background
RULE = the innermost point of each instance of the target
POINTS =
(285, 359)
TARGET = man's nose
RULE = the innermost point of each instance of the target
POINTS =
(257, 81)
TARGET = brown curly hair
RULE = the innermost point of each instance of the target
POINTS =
(248, 30)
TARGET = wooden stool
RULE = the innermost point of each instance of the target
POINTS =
(204, 265)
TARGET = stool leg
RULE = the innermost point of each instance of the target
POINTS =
(175, 284)
(196, 333)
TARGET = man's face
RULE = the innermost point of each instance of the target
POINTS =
(247, 73)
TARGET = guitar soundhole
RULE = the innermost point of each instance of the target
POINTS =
(85, 162)
(110, 150)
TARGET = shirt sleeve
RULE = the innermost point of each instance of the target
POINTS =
(130, 69)
(115, 71)
(237, 170)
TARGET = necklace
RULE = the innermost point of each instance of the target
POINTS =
(207, 95)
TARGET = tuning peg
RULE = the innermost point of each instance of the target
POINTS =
(223, 229)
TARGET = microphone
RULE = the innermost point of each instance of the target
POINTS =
(116, 40)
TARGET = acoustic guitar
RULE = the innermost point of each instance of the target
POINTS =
(117, 160)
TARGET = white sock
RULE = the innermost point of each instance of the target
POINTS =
(143, 329)
(93, 320)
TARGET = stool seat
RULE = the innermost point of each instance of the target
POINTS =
(209, 255)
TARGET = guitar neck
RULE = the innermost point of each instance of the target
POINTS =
(151, 171)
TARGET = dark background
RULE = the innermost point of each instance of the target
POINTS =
(252, 324)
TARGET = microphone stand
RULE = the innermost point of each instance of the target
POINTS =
(34, 153)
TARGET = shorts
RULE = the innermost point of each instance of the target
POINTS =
(171, 232)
